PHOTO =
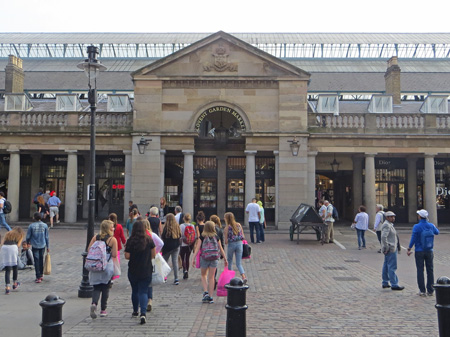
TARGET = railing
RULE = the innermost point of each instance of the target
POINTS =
(379, 123)
(65, 121)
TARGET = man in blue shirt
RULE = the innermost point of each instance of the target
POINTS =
(37, 236)
(53, 203)
(423, 238)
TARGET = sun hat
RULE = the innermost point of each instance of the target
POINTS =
(389, 213)
(423, 213)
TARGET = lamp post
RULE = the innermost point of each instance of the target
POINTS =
(91, 67)
(334, 165)
(142, 145)
(295, 146)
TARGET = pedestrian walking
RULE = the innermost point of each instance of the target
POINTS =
(171, 236)
(2, 214)
(233, 235)
(254, 215)
(10, 256)
(131, 220)
(101, 280)
(211, 250)
(361, 224)
(262, 221)
(140, 250)
(389, 242)
(53, 204)
(155, 221)
(379, 219)
(163, 209)
(179, 214)
(120, 237)
(37, 237)
(422, 238)
(329, 221)
(188, 236)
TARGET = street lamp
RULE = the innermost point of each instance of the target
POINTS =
(334, 165)
(295, 146)
(142, 145)
(91, 67)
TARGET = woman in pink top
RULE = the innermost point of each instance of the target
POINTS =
(119, 235)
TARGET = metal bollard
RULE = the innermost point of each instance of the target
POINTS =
(236, 307)
(442, 288)
(52, 316)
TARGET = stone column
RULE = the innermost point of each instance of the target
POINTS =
(412, 189)
(14, 184)
(250, 179)
(188, 182)
(277, 188)
(311, 195)
(162, 171)
(357, 183)
(430, 188)
(70, 207)
(369, 187)
(221, 185)
(127, 182)
(35, 180)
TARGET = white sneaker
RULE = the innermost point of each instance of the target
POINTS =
(93, 311)
(421, 294)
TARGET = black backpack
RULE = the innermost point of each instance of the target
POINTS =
(7, 208)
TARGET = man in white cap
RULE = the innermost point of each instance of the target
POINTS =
(389, 243)
(423, 238)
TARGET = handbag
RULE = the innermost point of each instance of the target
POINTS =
(160, 270)
(47, 265)
(117, 270)
(353, 226)
(225, 278)
(246, 250)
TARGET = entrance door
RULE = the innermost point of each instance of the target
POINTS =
(235, 197)
(265, 191)
(393, 196)
(110, 197)
(205, 196)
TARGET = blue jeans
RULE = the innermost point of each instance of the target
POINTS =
(389, 269)
(261, 232)
(3, 222)
(254, 225)
(360, 233)
(425, 259)
(139, 292)
(236, 249)
(38, 255)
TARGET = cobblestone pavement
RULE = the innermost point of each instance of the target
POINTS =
(295, 290)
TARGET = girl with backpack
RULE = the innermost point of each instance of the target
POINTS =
(10, 254)
(171, 237)
(211, 250)
(101, 280)
(188, 235)
(233, 237)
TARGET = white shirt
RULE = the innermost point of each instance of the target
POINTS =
(2, 203)
(177, 217)
(378, 221)
(362, 221)
(329, 213)
(253, 210)
(322, 211)
(158, 242)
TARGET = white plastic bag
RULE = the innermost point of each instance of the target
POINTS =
(160, 269)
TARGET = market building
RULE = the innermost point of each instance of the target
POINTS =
(288, 118)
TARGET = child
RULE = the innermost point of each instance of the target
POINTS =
(26, 257)
(10, 256)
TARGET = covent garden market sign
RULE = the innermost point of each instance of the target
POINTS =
(218, 109)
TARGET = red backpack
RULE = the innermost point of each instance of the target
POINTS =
(189, 235)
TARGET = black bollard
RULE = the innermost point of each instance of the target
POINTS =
(236, 307)
(52, 316)
(442, 288)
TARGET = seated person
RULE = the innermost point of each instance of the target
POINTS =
(26, 259)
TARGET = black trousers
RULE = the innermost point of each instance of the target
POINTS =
(102, 289)
(8, 274)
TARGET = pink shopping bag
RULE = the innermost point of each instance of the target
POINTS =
(224, 279)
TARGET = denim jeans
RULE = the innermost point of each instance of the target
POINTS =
(425, 259)
(8, 274)
(254, 225)
(139, 292)
(38, 255)
(389, 269)
(3, 222)
(360, 233)
(236, 249)
(261, 232)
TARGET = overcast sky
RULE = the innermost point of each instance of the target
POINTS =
(232, 16)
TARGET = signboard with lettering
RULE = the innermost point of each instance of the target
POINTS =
(226, 109)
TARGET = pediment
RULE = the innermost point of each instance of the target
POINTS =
(220, 55)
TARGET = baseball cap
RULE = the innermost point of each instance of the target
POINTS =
(389, 213)
(423, 213)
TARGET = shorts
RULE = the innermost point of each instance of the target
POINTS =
(54, 210)
(208, 263)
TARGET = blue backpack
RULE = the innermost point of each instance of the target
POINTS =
(427, 239)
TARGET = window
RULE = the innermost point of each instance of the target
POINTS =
(17, 102)
(435, 104)
(381, 104)
(68, 103)
(119, 103)
(328, 103)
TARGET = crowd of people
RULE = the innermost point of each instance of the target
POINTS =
(199, 244)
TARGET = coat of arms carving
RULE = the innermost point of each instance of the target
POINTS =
(221, 62)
